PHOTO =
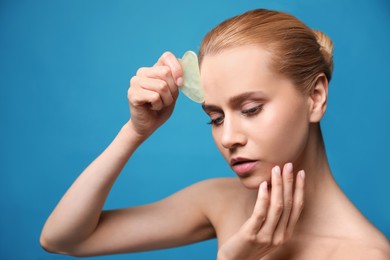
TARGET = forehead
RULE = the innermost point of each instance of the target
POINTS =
(238, 59)
(235, 70)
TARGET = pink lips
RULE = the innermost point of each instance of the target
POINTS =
(242, 166)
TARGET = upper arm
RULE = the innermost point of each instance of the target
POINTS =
(176, 220)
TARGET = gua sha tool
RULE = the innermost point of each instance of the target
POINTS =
(191, 86)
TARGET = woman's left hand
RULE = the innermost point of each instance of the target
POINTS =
(273, 219)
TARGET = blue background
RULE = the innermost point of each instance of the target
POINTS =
(64, 73)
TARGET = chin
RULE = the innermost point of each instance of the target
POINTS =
(253, 182)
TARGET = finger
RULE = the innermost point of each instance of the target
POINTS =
(159, 86)
(288, 183)
(170, 60)
(276, 205)
(298, 202)
(259, 214)
(160, 72)
(142, 96)
(155, 85)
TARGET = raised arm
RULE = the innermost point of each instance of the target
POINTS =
(78, 226)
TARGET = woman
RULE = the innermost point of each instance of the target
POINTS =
(265, 77)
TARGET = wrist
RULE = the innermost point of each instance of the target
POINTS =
(221, 256)
(132, 135)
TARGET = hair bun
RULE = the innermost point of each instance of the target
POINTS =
(326, 48)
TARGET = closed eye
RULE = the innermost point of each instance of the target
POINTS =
(216, 121)
(252, 111)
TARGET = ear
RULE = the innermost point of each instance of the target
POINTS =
(318, 98)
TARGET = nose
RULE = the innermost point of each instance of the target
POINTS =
(232, 134)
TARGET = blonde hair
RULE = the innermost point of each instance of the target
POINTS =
(298, 52)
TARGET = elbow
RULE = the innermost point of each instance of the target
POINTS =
(48, 241)
(51, 246)
(46, 245)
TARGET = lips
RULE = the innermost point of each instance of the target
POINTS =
(243, 166)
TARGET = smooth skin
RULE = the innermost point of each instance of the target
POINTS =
(256, 216)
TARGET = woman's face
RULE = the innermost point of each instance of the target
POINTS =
(259, 118)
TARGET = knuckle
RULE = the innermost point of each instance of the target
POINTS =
(250, 238)
(129, 93)
(167, 54)
(279, 208)
(301, 205)
(264, 240)
(133, 80)
(260, 216)
(278, 241)
(288, 204)
(289, 178)
(155, 98)
(165, 71)
(163, 86)
(132, 98)
(265, 199)
(140, 71)
(278, 182)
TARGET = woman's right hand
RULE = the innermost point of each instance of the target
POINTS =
(78, 225)
(153, 93)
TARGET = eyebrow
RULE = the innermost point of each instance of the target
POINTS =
(236, 100)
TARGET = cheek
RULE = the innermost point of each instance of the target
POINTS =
(216, 137)
(286, 134)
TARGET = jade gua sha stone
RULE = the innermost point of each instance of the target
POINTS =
(191, 86)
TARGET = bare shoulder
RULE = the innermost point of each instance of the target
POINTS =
(216, 185)
(377, 247)
(336, 248)
(358, 238)
(220, 182)
(216, 189)
(215, 194)
(377, 253)
(362, 249)
(370, 243)
(369, 251)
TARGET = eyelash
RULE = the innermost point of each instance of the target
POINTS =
(215, 122)
(253, 111)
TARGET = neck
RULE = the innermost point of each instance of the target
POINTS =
(320, 186)
(315, 163)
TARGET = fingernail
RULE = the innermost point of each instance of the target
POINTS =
(179, 81)
(276, 171)
(289, 167)
(302, 173)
